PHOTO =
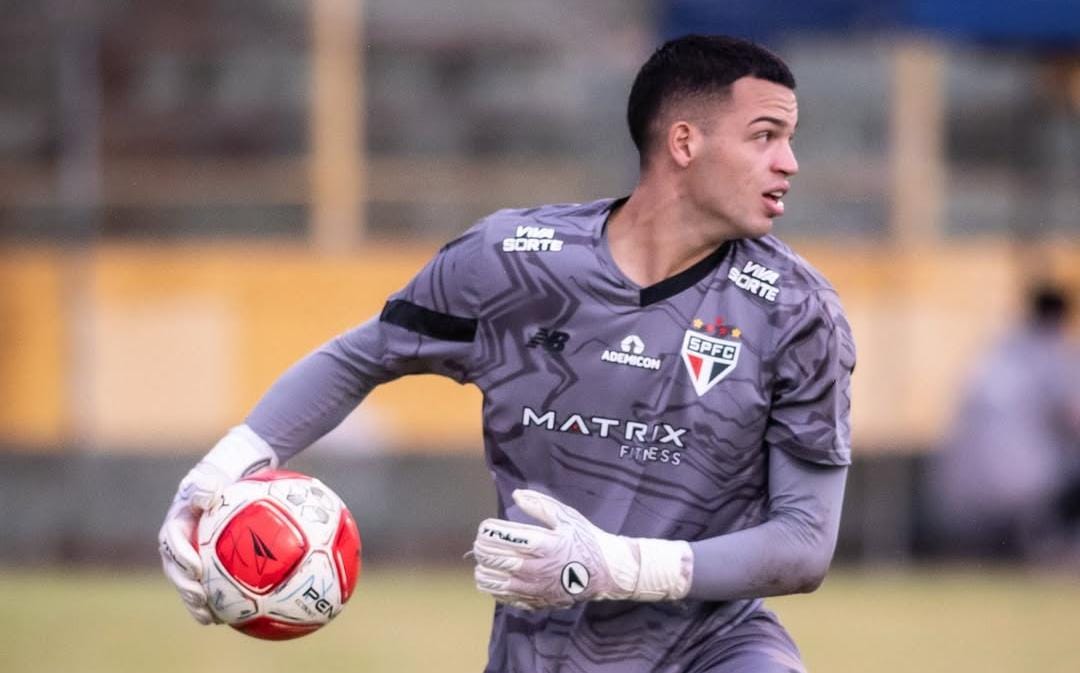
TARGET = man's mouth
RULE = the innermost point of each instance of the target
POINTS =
(774, 203)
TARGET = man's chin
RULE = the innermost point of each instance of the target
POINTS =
(758, 228)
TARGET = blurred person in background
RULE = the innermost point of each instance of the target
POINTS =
(666, 393)
(1007, 479)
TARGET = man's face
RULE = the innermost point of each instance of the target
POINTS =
(740, 172)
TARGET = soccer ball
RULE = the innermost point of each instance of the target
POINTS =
(280, 554)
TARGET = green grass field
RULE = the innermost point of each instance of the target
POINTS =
(403, 621)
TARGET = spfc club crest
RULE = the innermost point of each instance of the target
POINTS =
(708, 359)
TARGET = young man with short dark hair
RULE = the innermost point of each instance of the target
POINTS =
(666, 392)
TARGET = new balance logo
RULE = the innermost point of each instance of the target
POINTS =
(553, 341)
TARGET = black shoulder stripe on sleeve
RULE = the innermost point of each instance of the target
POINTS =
(416, 318)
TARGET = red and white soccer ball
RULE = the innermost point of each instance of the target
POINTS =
(280, 553)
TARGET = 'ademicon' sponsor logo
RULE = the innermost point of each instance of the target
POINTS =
(630, 353)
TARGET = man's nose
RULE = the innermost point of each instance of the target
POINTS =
(785, 161)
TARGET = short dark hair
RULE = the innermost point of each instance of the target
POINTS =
(696, 66)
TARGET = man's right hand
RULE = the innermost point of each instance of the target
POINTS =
(239, 454)
(177, 542)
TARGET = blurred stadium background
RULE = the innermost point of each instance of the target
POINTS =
(193, 195)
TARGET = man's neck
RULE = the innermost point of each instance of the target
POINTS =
(651, 238)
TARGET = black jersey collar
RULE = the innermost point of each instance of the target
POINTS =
(669, 287)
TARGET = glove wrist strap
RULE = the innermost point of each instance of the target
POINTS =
(240, 453)
(667, 567)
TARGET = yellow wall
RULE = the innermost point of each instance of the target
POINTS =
(33, 357)
(259, 310)
(158, 349)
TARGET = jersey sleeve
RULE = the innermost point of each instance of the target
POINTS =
(427, 327)
(430, 326)
(811, 402)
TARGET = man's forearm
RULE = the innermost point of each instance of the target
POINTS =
(314, 395)
(789, 553)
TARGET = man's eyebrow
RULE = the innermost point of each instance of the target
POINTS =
(772, 120)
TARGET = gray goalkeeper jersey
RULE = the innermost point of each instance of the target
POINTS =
(650, 410)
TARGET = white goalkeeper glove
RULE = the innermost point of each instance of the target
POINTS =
(238, 454)
(569, 560)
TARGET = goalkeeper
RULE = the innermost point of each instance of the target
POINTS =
(666, 393)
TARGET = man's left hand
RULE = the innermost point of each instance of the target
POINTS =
(568, 560)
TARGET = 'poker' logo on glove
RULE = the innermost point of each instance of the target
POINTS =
(504, 536)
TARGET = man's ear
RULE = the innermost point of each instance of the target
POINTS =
(683, 142)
